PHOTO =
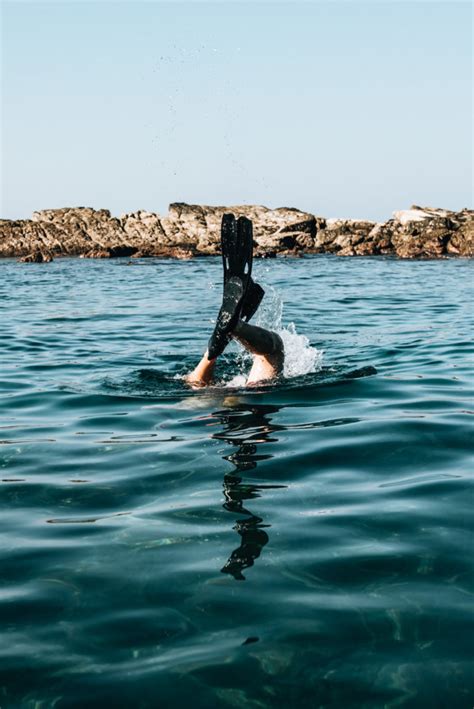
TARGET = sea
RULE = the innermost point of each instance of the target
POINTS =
(303, 543)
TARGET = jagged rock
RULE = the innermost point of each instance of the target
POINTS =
(23, 237)
(183, 254)
(305, 242)
(426, 232)
(37, 257)
(292, 253)
(143, 230)
(194, 230)
(143, 253)
(168, 252)
(461, 241)
(119, 251)
(200, 225)
(342, 235)
(418, 214)
(96, 253)
(414, 240)
(82, 229)
(277, 241)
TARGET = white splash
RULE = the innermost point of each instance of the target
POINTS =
(300, 357)
(237, 382)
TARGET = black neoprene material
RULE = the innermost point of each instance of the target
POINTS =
(237, 252)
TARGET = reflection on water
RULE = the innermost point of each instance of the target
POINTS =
(245, 428)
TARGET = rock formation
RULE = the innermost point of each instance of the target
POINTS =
(37, 257)
(193, 230)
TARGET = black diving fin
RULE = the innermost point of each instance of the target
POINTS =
(241, 296)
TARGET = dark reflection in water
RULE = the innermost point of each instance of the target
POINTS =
(245, 427)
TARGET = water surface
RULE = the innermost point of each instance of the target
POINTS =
(302, 544)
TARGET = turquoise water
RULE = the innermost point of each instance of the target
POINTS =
(302, 544)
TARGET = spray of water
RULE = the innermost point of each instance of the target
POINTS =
(300, 357)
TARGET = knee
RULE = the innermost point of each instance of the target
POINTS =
(277, 343)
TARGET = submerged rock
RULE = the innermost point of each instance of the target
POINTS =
(194, 230)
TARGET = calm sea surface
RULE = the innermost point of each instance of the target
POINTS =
(307, 544)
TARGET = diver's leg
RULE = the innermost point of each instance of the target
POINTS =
(266, 347)
(202, 374)
(257, 340)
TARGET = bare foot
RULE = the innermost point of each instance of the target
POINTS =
(264, 369)
(193, 381)
(201, 376)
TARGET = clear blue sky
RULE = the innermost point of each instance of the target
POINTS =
(348, 109)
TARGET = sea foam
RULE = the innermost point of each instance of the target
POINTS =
(300, 356)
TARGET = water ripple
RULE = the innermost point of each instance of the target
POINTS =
(301, 544)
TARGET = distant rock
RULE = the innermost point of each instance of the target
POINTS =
(36, 257)
(342, 236)
(418, 214)
(424, 232)
(194, 230)
(273, 228)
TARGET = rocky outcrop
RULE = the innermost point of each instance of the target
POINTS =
(274, 229)
(37, 257)
(194, 230)
(424, 232)
(343, 236)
